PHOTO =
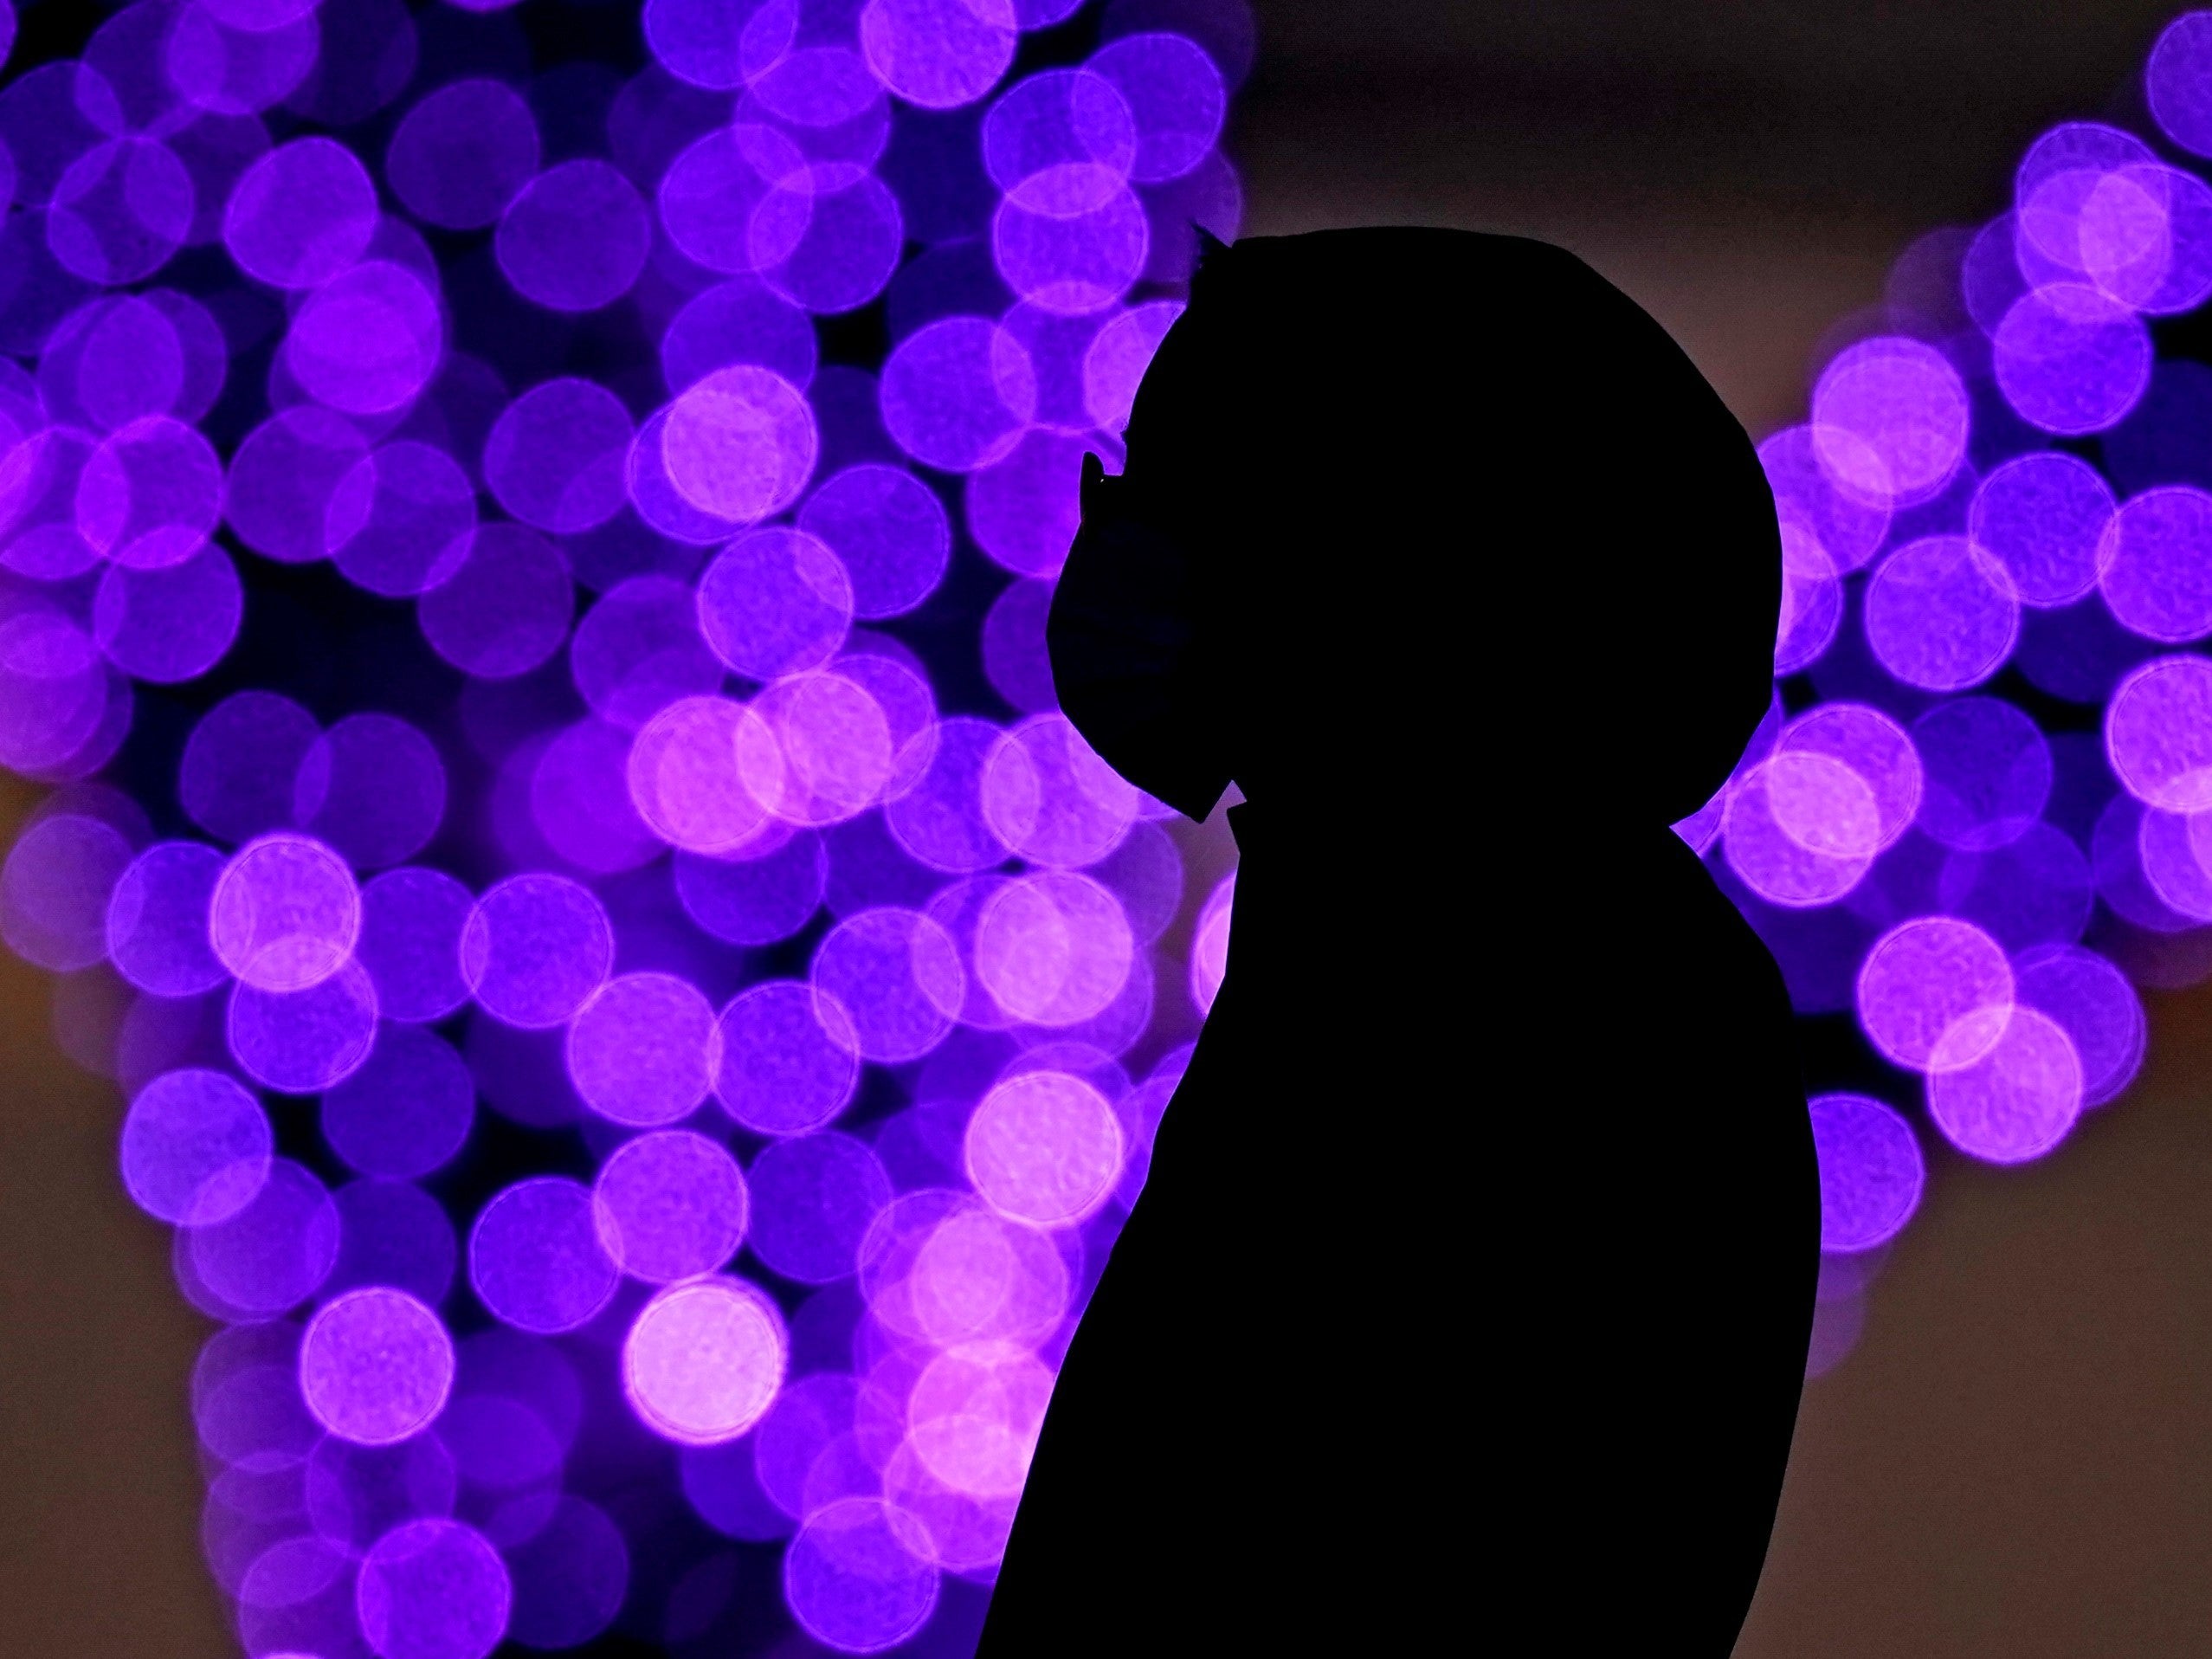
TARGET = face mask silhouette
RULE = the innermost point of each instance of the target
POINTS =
(1129, 624)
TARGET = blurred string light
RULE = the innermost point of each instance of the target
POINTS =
(1979, 816)
(644, 1019)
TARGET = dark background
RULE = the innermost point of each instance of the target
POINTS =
(2018, 1460)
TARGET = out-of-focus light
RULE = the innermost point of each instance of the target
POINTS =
(2005, 1084)
(1941, 615)
(671, 1205)
(704, 1359)
(1921, 979)
(375, 1365)
(1871, 1170)
(535, 1258)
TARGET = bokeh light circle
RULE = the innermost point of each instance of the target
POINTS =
(2158, 733)
(643, 1050)
(575, 238)
(1941, 614)
(1044, 1147)
(535, 948)
(459, 156)
(1921, 981)
(1872, 1170)
(858, 1576)
(285, 913)
(740, 443)
(671, 1205)
(2156, 565)
(433, 1589)
(195, 1148)
(937, 54)
(535, 1257)
(704, 1359)
(790, 1058)
(375, 1365)
(1890, 418)
(2070, 359)
(2005, 1084)
(2044, 517)
(2178, 82)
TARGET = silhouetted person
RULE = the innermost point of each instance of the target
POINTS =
(1469, 1294)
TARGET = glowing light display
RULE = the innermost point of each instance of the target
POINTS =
(593, 530)
(2015, 679)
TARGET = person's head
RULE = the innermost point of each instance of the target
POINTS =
(1454, 505)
